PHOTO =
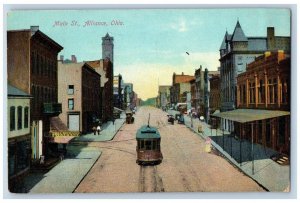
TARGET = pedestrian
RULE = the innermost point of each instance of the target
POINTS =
(98, 129)
(94, 130)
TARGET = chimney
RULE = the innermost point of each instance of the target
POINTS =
(33, 29)
(271, 38)
(267, 54)
(61, 58)
(281, 55)
(73, 59)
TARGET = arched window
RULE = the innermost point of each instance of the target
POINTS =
(12, 121)
(26, 117)
(20, 117)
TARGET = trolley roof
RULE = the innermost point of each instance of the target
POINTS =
(147, 132)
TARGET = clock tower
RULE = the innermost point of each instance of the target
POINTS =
(108, 47)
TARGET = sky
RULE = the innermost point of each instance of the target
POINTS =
(151, 44)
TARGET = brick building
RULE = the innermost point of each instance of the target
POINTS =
(104, 68)
(79, 93)
(266, 85)
(32, 67)
(214, 96)
(180, 84)
(236, 51)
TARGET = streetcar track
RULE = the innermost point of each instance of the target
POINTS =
(142, 179)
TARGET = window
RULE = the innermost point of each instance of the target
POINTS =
(284, 92)
(148, 145)
(20, 117)
(271, 91)
(252, 93)
(70, 89)
(261, 92)
(12, 118)
(275, 90)
(71, 104)
(26, 117)
(142, 144)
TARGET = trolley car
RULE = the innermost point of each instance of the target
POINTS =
(148, 146)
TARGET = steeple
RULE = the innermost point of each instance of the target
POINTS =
(223, 45)
(238, 34)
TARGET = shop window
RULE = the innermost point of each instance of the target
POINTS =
(12, 118)
(23, 154)
(11, 158)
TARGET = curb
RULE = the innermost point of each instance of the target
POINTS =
(216, 147)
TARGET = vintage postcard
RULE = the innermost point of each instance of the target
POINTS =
(148, 100)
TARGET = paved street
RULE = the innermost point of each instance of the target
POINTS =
(186, 166)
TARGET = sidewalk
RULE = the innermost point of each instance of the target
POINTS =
(268, 173)
(108, 132)
(65, 177)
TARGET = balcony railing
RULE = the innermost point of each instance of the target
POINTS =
(52, 108)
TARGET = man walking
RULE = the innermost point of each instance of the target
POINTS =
(98, 129)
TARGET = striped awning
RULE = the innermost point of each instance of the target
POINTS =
(249, 115)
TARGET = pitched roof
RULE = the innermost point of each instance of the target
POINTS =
(13, 91)
(238, 33)
(93, 64)
(183, 78)
(223, 45)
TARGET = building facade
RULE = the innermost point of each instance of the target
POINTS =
(164, 96)
(266, 85)
(32, 67)
(214, 96)
(207, 76)
(19, 137)
(79, 93)
(118, 91)
(236, 51)
(180, 84)
(104, 68)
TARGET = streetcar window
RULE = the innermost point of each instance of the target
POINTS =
(158, 144)
(142, 144)
(154, 144)
(148, 145)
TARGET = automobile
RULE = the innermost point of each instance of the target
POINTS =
(171, 119)
(181, 119)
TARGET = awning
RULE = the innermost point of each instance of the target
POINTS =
(56, 124)
(117, 109)
(61, 139)
(248, 115)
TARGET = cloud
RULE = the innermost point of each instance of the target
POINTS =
(180, 26)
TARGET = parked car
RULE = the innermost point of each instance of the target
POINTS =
(171, 119)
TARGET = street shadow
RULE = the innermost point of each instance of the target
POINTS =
(241, 150)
